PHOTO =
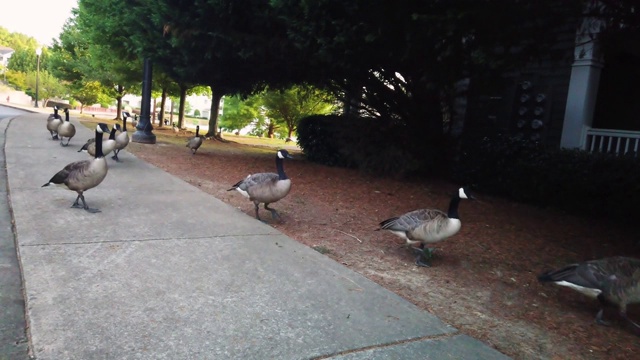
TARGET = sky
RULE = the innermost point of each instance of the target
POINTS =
(40, 19)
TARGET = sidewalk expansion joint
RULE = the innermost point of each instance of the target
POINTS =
(382, 346)
(88, 242)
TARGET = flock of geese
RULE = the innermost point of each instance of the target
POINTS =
(613, 281)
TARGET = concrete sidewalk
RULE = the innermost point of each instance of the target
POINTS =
(166, 271)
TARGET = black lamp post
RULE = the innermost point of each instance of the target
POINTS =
(144, 128)
(38, 53)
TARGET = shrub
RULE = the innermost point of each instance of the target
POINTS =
(368, 144)
(575, 181)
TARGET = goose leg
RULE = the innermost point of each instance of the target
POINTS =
(599, 320)
(599, 315)
(76, 204)
(115, 155)
(424, 256)
(87, 208)
(68, 140)
(62, 142)
(274, 213)
(257, 205)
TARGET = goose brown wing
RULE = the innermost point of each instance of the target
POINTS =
(62, 176)
(258, 179)
(411, 220)
(596, 274)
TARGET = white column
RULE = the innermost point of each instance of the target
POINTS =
(583, 86)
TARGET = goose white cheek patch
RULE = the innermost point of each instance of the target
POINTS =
(462, 194)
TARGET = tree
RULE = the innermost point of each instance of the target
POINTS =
(87, 94)
(290, 105)
(239, 113)
(107, 60)
(400, 60)
(48, 86)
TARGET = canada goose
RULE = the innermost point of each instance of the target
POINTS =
(81, 176)
(195, 142)
(66, 129)
(426, 226)
(122, 139)
(613, 280)
(107, 145)
(266, 188)
(53, 121)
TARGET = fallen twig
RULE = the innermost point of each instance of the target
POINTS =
(355, 237)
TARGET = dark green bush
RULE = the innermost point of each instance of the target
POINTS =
(318, 138)
(571, 180)
(370, 145)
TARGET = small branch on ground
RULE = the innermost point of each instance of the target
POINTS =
(355, 237)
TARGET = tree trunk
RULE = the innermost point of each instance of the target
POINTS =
(271, 129)
(81, 107)
(183, 99)
(119, 105)
(171, 112)
(163, 101)
(213, 117)
(290, 133)
(153, 117)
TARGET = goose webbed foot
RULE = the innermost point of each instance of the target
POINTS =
(424, 256)
(84, 206)
(115, 157)
(55, 137)
(274, 213)
(67, 144)
(599, 319)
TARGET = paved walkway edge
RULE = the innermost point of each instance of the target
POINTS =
(14, 339)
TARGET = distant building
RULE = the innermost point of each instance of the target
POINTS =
(5, 55)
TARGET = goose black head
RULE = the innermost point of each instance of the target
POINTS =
(284, 154)
(102, 128)
(118, 127)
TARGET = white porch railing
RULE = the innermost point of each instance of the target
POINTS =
(618, 142)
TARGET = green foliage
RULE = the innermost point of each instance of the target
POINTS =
(26, 60)
(196, 113)
(17, 40)
(288, 106)
(48, 86)
(570, 180)
(239, 113)
(87, 93)
(17, 79)
(357, 142)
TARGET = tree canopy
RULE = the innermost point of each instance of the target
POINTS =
(395, 61)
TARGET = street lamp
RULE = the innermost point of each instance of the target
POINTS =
(38, 53)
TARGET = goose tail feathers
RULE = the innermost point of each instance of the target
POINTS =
(558, 275)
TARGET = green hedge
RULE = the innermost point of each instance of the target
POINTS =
(571, 180)
(371, 145)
